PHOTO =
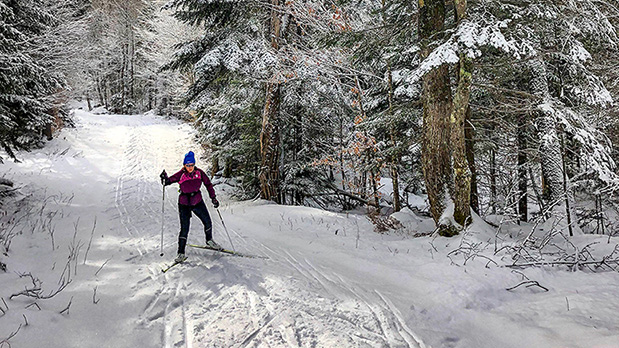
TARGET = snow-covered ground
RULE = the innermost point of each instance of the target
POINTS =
(91, 204)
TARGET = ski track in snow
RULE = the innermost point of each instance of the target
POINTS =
(214, 300)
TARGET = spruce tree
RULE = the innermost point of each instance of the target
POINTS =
(25, 81)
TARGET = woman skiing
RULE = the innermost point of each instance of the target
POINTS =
(190, 178)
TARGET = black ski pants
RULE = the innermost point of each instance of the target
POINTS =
(184, 212)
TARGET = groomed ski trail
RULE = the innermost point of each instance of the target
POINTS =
(291, 299)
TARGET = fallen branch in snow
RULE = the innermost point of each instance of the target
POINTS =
(528, 283)
(36, 291)
(13, 334)
(597, 263)
(68, 306)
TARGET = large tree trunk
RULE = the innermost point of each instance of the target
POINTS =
(269, 136)
(437, 105)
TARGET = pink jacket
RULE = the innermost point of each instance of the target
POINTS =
(190, 185)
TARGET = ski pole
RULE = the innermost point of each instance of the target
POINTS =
(225, 229)
(162, 218)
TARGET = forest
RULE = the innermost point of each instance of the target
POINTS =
(495, 112)
(495, 107)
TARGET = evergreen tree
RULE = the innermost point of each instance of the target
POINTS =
(25, 82)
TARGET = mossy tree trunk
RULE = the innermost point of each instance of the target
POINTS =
(461, 172)
(437, 106)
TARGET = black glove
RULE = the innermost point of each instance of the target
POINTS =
(215, 203)
(164, 177)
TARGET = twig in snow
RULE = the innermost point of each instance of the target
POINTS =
(68, 306)
(25, 319)
(33, 304)
(528, 283)
(521, 274)
(100, 268)
(75, 247)
(13, 334)
(92, 234)
(94, 296)
(568, 303)
(37, 290)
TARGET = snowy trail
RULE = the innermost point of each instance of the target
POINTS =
(248, 313)
(213, 300)
(327, 280)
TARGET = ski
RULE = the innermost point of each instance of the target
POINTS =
(167, 268)
(226, 251)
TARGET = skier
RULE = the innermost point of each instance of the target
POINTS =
(190, 178)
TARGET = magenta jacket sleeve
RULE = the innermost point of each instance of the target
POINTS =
(176, 177)
(208, 184)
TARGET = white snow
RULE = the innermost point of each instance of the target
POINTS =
(328, 280)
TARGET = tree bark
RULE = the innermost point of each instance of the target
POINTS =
(568, 209)
(88, 101)
(523, 197)
(437, 106)
(493, 186)
(214, 165)
(227, 168)
(550, 148)
(461, 172)
(269, 136)
(469, 134)
(395, 157)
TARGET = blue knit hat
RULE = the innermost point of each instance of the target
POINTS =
(189, 158)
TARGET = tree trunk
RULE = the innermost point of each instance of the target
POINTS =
(123, 69)
(269, 136)
(461, 172)
(88, 101)
(523, 197)
(98, 83)
(469, 134)
(132, 67)
(550, 148)
(214, 165)
(493, 187)
(228, 168)
(395, 157)
(568, 209)
(437, 105)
